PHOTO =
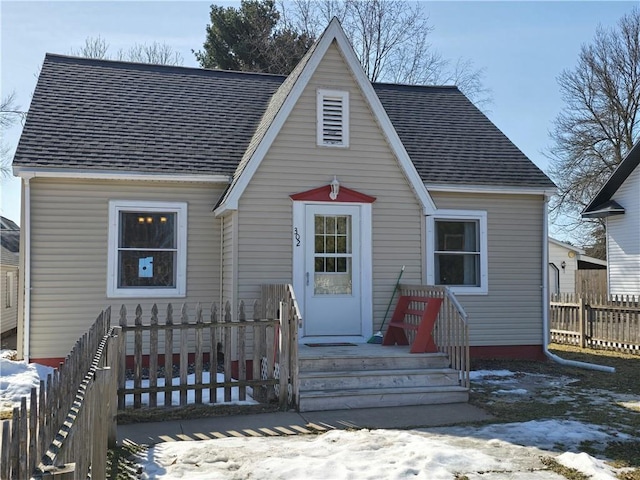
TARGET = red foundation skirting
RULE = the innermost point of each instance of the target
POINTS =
(515, 352)
(49, 362)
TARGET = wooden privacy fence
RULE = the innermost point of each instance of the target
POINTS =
(591, 282)
(451, 330)
(65, 428)
(255, 355)
(598, 322)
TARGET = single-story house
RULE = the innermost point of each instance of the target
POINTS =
(148, 184)
(618, 201)
(9, 274)
(565, 260)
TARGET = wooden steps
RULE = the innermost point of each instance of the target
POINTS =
(375, 376)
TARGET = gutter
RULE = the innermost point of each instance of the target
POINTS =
(545, 304)
(24, 172)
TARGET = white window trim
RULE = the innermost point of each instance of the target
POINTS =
(11, 290)
(344, 95)
(115, 207)
(366, 267)
(462, 215)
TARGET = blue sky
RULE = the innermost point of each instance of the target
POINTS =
(522, 47)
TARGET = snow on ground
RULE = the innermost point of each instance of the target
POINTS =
(482, 374)
(9, 354)
(17, 378)
(374, 454)
(191, 394)
(496, 451)
(544, 434)
(596, 469)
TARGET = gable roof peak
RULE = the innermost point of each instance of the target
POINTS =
(284, 100)
(603, 204)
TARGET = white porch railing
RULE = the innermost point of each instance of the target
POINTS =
(451, 330)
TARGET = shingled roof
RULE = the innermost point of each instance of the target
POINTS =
(9, 235)
(603, 205)
(111, 116)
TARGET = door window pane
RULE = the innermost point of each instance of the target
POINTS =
(332, 248)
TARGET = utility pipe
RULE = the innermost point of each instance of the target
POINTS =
(545, 303)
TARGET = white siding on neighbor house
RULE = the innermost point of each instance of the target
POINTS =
(557, 255)
(623, 239)
(69, 224)
(8, 297)
(295, 164)
(511, 313)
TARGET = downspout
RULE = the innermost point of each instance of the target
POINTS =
(545, 303)
(26, 231)
(220, 289)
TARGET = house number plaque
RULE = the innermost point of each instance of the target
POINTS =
(297, 236)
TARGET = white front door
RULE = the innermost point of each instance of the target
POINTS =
(333, 273)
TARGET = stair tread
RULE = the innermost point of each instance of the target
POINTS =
(372, 373)
(391, 354)
(382, 391)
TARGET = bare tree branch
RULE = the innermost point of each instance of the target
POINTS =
(599, 123)
(155, 53)
(390, 38)
(10, 114)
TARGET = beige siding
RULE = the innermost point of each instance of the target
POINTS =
(511, 313)
(623, 239)
(295, 164)
(69, 254)
(229, 258)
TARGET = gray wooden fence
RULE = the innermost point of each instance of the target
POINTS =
(595, 321)
(254, 355)
(65, 428)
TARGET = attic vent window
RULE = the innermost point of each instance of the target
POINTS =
(333, 118)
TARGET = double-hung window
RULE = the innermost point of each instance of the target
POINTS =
(147, 249)
(457, 251)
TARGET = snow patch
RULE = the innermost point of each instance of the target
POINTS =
(584, 463)
(17, 378)
(481, 374)
(191, 394)
(515, 391)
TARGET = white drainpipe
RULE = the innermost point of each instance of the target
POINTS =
(26, 231)
(545, 303)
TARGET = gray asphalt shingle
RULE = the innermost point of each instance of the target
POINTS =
(118, 116)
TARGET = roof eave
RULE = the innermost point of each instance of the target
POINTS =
(603, 213)
(617, 178)
(503, 189)
(30, 172)
(603, 210)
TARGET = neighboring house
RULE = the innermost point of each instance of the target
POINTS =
(146, 183)
(9, 275)
(564, 262)
(618, 201)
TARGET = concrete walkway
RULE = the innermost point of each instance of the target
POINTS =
(293, 423)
